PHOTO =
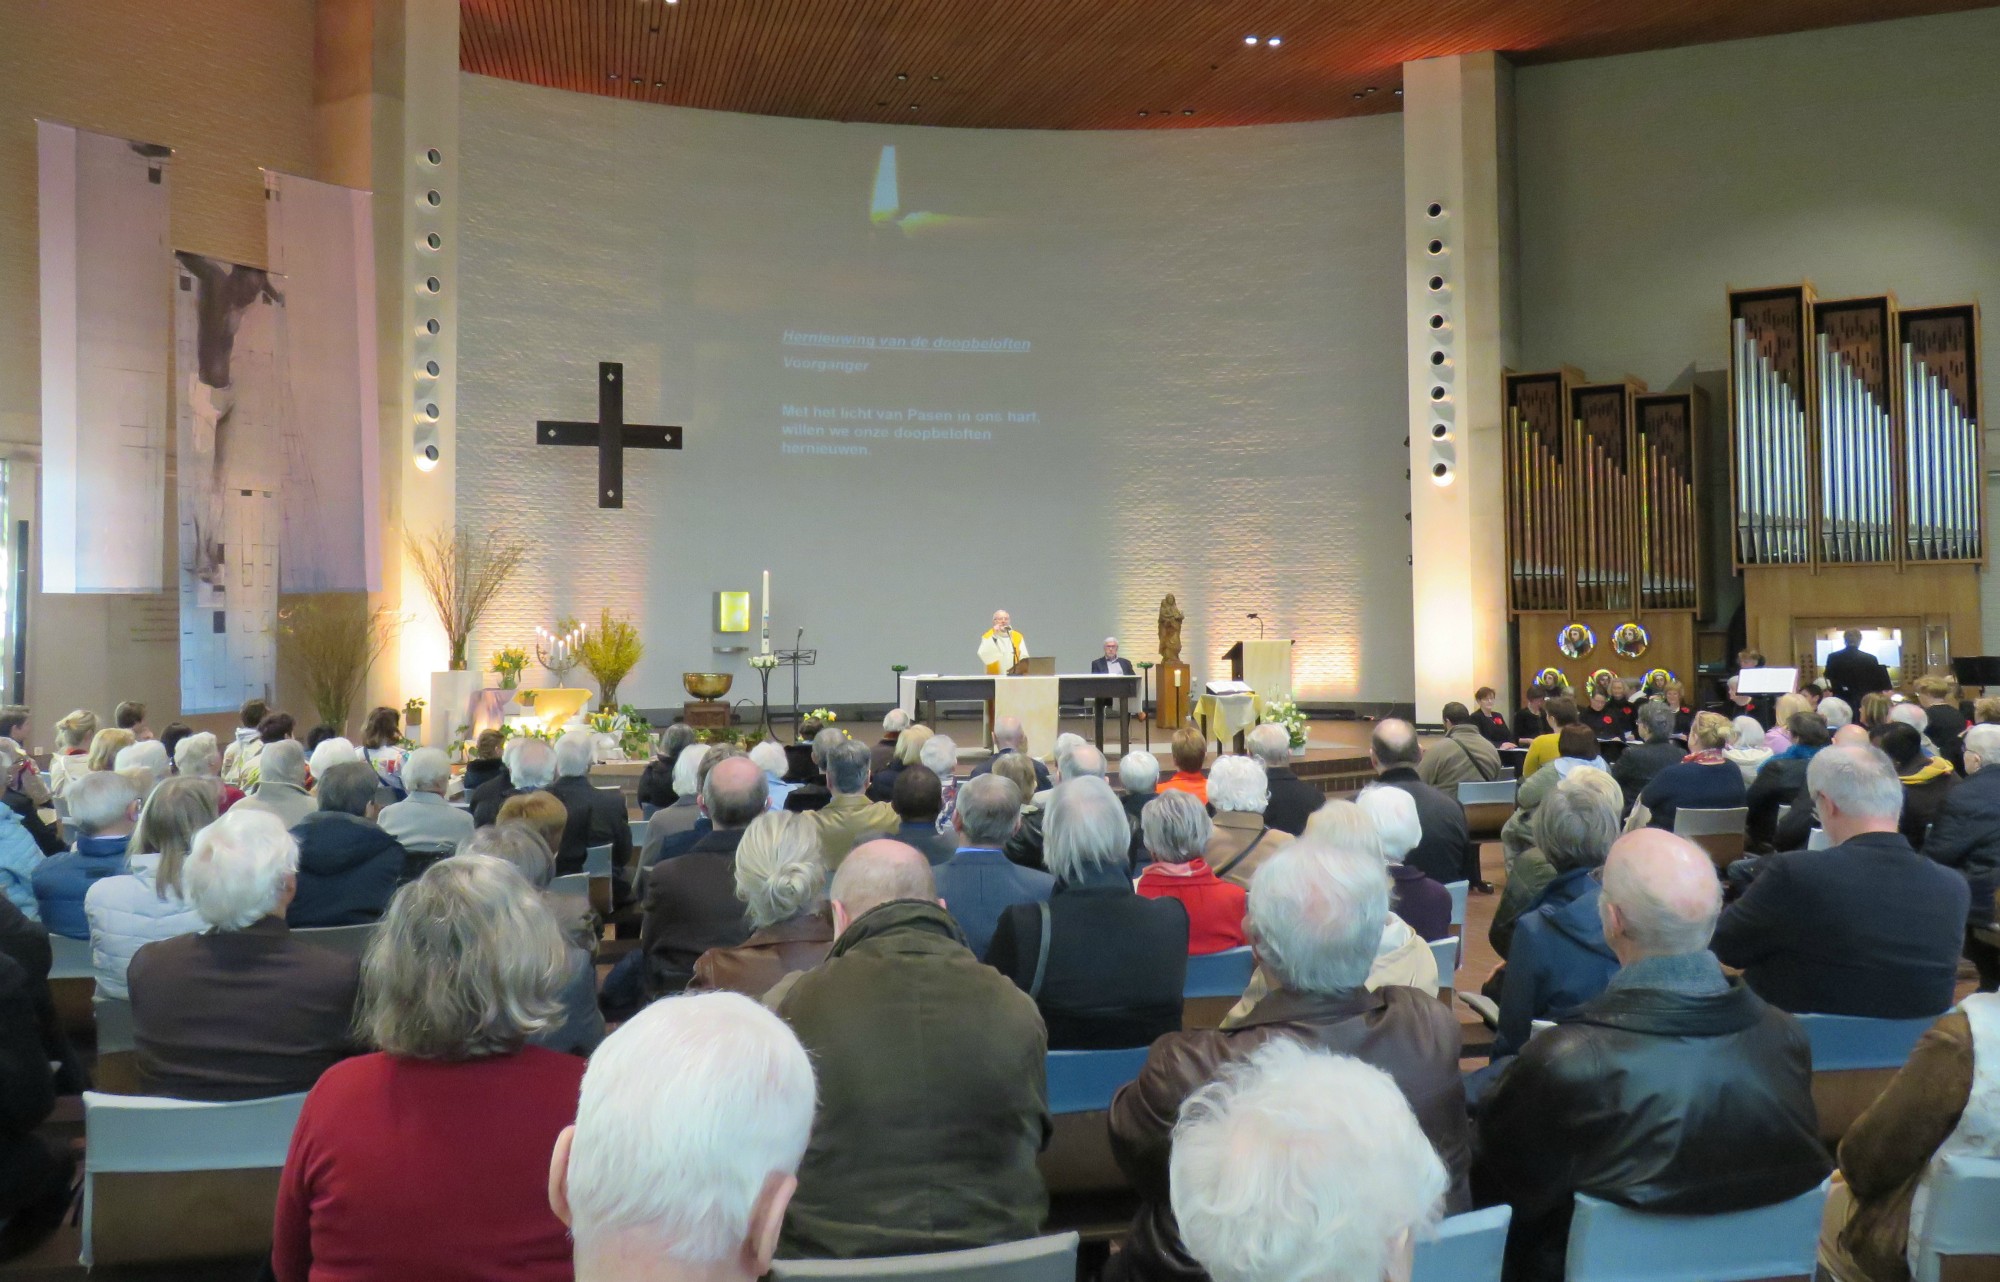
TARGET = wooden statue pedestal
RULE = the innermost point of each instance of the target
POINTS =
(1172, 700)
(705, 714)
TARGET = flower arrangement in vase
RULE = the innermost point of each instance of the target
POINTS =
(1286, 713)
(509, 662)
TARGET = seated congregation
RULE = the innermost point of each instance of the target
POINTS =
(839, 987)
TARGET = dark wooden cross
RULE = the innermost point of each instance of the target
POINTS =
(611, 434)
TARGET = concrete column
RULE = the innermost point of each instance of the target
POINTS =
(1462, 318)
(385, 116)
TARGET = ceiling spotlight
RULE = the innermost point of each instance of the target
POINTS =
(1358, 94)
(613, 75)
(902, 75)
(913, 106)
(1187, 111)
(1249, 40)
(1275, 41)
(1372, 89)
(936, 76)
(1143, 112)
(1399, 93)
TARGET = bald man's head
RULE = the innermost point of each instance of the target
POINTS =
(1394, 743)
(735, 792)
(879, 872)
(1851, 735)
(1009, 733)
(1661, 896)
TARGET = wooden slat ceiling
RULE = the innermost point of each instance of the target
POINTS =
(1077, 64)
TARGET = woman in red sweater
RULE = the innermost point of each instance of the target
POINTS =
(430, 1158)
(1176, 829)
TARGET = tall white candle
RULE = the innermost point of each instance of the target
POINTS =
(767, 612)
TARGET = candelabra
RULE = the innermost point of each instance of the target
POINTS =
(560, 654)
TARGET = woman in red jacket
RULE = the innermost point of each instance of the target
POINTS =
(1176, 829)
(430, 1158)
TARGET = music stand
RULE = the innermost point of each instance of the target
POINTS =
(796, 659)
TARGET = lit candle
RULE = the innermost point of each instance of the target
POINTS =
(767, 612)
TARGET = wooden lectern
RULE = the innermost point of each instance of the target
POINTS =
(1266, 666)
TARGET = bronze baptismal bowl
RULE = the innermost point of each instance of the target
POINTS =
(706, 685)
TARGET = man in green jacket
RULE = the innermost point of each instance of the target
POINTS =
(933, 1099)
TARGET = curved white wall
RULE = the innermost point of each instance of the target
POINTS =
(1210, 401)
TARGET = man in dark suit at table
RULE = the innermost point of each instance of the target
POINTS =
(1109, 664)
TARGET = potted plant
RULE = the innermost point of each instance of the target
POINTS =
(462, 572)
(413, 713)
(1286, 713)
(508, 662)
(609, 652)
(330, 640)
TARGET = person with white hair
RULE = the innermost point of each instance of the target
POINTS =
(781, 881)
(1316, 916)
(770, 757)
(531, 767)
(894, 722)
(979, 882)
(1241, 843)
(1675, 1090)
(1078, 760)
(1752, 747)
(330, 752)
(1867, 927)
(1176, 828)
(940, 755)
(1421, 902)
(429, 1156)
(596, 815)
(1299, 1164)
(146, 904)
(1009, 735)
(1139, 775)
(689, 1132)
(245, 1008)
(1105, 966)
(1402, 958)
(103, 808)
(1965, 837)
(197, 756)
(424, 820)
(933, 1095)
(148, 755)
(1835, 712)
(281, 782)
(1911, 715)
(1292, 799)
(685, 812)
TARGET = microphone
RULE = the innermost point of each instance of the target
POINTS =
(1260, 623)
(800, 640)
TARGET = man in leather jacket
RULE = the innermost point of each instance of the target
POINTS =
(1677, 1089)
(1316, 916)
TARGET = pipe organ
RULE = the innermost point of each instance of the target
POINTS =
(1603, 535)
(1854, 436)
(1943, 469)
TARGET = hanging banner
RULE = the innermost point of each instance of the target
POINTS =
(322, 247)
(229, 343)
(106, 279)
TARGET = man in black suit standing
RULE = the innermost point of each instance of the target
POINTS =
(1853, 673)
